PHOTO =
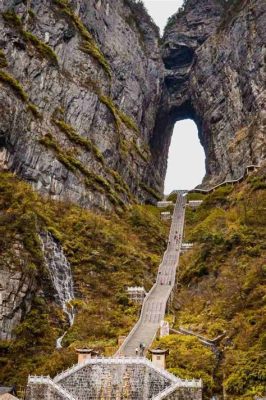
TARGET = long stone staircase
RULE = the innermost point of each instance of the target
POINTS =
(154, 305)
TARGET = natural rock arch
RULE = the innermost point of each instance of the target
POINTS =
(204, 81)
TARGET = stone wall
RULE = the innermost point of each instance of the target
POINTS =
(38, 391)
(116, 381)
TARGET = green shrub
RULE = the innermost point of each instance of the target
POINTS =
(195, 196)
(78, 139)
(92, 180)
(35, 111)
(3, 61)
(43, 49)
(151, 191)
(247, 375)
(172, 197)
(257, 182)
(189, 359)
(219, 197)
(14, 84)
(197, 270)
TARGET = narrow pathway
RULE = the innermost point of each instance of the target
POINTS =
(154, 305)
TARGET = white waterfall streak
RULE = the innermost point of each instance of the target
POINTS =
(61, 276)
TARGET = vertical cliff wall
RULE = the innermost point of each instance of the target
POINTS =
(214, 56)
(80, 84)
(89, 97)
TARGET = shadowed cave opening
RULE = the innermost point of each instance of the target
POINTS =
(186, 158)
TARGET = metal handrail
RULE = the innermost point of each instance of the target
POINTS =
(227, 181)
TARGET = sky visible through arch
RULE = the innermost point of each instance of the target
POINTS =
(186, 160)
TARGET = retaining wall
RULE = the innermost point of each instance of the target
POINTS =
(115, 381)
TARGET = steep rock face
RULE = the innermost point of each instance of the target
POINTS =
(80, 84)
(89, 101)
(215, 74)
(16, 290)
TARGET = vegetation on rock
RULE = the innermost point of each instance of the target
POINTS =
(3, 61)
(151, 191)
(74, 137)
(42, 48)
(14, 84)
(18, 89)
(222, 290)
(107, 253)
(119, 116)
(88, 45)
(92, 180)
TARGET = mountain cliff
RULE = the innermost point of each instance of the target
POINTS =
(215, 74)
(80, 86)
(90, 95)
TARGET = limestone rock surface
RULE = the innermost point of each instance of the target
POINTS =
(90, 94)
(214, 55)
(91, 73)
(16, 291)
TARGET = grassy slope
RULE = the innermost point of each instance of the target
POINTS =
(221, 289)
(220, 283)
(107, 253)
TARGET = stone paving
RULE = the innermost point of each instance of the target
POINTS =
(154, 306)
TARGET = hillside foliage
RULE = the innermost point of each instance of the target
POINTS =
(107, 253)
(221, 289)
(220, 286)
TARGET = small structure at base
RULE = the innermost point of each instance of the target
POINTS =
(158, 357)
(86, 354)
(166, 215)
(249, 169)
(136, 294)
